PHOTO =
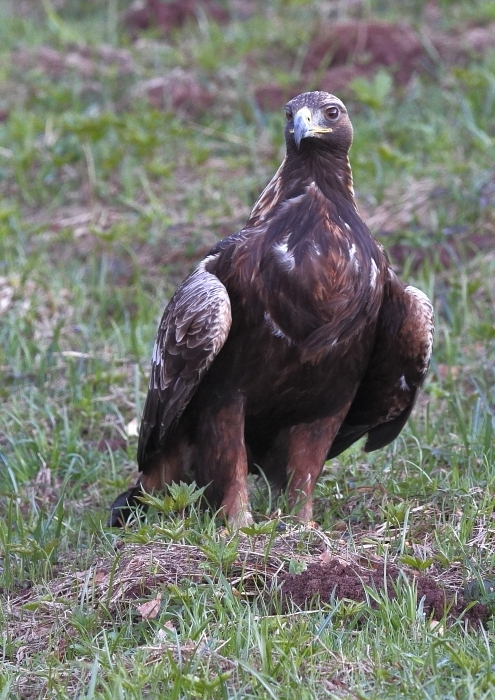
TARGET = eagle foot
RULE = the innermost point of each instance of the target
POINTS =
(242, 518)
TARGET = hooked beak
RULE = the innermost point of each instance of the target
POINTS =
(304, 126)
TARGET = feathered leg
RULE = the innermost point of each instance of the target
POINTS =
(221, 460)
(308, 444)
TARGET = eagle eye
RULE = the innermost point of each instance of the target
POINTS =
(288, 115)
(331, 112)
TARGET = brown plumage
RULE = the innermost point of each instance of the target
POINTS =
(291, 339)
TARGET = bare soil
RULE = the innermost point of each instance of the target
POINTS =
(343, 51)
(167, 16)
(321, 581)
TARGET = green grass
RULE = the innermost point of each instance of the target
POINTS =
(105, 203)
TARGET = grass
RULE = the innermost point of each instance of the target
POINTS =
(106, 203)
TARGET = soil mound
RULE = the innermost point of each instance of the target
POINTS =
(167, 16)
(319, 582)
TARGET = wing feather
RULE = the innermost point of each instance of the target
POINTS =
(397, 369)
(193, 329)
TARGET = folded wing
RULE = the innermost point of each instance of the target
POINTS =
(396, 371)
(193, 329)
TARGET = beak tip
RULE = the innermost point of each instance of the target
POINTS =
(302, 125)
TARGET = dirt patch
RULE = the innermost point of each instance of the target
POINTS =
(341, 580)
(343, 51)
(86, 61)
(395, 46)
(179, 90)
(137, 576)
(270, 96)
(368, 45)
(166, 16)
(337, 52)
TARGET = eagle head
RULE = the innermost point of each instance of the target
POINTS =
(317, 120)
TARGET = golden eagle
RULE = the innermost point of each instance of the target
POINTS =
(291, 339)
